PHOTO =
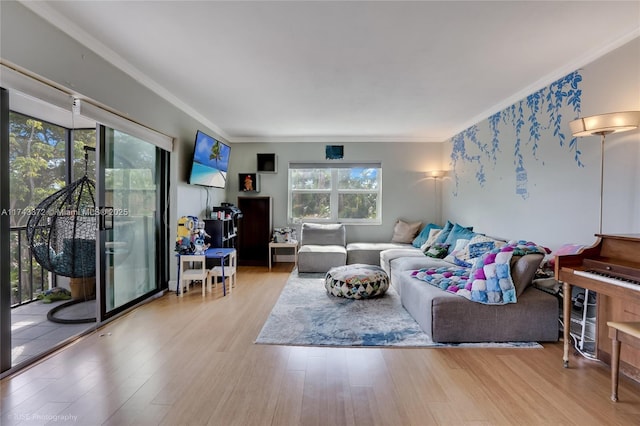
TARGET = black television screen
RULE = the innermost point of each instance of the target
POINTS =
(210, 162)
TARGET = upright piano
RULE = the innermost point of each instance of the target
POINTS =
(611, 268)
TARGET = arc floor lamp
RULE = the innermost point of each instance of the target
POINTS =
(603, 125)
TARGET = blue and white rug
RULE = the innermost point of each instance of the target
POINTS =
(305, 315)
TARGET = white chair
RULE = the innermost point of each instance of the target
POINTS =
(229, 272)
(192, 267)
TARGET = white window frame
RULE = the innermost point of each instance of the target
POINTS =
(335, 192)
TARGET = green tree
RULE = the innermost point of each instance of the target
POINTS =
(36, 163)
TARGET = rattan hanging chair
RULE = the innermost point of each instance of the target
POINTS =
(62, 231)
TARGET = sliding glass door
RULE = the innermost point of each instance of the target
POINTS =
(128, 206)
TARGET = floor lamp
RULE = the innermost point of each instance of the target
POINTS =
(603, 125)
(436, 175)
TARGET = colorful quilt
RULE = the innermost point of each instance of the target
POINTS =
(488, 281)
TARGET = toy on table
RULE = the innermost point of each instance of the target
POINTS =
(191, 236)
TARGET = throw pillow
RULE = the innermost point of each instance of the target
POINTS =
(423, 236)
(433, 234)
(453, 257)
(442, 237)
(404, 232)
(458, 232)
(523, 269)
(438, 250)
(479, 245)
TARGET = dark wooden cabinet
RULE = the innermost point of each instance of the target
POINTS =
(254, 231)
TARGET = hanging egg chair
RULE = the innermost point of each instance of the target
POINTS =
(62, 229)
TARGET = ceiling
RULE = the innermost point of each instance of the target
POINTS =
(345, 70)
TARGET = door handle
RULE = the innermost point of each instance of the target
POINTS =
(105, 214)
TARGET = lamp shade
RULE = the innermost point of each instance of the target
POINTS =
(436, 174)
(603, 124)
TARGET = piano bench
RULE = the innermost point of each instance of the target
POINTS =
(621, 332)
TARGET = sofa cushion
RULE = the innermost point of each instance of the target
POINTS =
(386, 256)
(321, 258)
(404, 232)
(323, 234)
(423, 236)
(369, 253)
(523, 269)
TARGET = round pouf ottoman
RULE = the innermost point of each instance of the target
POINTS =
(356, 281)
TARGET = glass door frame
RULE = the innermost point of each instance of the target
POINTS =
(5, 250)
(160, 233)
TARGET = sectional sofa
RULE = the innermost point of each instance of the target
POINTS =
(446, 317)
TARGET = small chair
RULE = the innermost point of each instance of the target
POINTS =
(192, 267)
(621, 332)
(229, 272)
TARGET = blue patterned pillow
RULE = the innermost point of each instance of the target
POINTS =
(478, 249)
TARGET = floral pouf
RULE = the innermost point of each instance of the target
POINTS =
(357, 281)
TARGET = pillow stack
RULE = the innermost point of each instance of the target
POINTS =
(455, 243)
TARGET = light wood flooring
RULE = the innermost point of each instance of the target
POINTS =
(192, 361)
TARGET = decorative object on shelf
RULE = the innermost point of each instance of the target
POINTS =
(284, 235)
(267, 163)
(248, 182)
(603, 125)
(334, 152)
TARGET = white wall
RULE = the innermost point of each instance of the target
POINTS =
(406, 193)
(562, 204)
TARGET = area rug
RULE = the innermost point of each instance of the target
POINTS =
(305, 315)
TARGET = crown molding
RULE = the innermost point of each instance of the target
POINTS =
(67, 26)
(333, 139)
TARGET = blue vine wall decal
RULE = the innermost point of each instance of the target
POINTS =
(530, 115)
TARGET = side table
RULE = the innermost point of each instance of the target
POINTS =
(289, 244)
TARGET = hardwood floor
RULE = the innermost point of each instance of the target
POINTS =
(192, 361)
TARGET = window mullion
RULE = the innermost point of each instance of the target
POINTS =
(335, 196)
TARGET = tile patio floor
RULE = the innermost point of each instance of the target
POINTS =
(32, 333)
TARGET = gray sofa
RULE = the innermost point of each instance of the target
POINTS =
(450, 318)
(444, 316)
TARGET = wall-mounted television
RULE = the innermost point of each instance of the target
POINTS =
(210, 162)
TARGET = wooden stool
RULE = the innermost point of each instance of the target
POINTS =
(621, 332)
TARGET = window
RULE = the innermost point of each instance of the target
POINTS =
(347, 193)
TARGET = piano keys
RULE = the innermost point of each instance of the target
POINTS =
(610, 267)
